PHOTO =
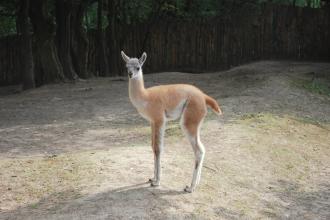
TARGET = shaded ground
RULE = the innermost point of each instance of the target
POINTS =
(80, 151)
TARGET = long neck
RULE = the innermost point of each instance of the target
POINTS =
(136, 88)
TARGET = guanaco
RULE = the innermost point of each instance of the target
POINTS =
(160, 104)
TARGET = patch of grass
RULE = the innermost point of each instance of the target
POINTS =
(286, 143)
(40, 177)
(259, 118)
(255, 116)
(312, 121)
(317, 87)
(34, 206)
(248, 116)
(173, 129)
(269, 119)
(320, 86)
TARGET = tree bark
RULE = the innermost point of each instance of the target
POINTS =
(157, 7)
(188, 4)
(46, 54)
(26, 45)
(79, 43)
(114, 48)
(102, 65)
(64, 37)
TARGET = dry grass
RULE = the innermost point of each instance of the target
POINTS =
(250, 163)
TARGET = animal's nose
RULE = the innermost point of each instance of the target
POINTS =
(130, 74)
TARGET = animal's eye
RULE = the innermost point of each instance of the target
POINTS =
(137, 68)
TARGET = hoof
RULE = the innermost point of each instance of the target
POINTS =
(153, 182)
(188, 189)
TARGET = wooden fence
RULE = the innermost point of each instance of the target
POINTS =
(275, 32)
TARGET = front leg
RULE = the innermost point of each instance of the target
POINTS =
(158, 129)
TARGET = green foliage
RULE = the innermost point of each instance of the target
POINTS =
(130, 12)
(7, 17)
(90, 19)
(7, 25)
(135, 11)
(207, 8)
(299, 3)
(8, 7)
(172, 9)
(199, 8)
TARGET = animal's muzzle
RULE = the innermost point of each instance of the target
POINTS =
(130, 74)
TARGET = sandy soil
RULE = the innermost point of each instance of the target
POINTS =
(81, 151)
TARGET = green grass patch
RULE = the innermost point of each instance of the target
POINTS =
(249, 116)
(259, 118)
(34, 205)
(317, 87)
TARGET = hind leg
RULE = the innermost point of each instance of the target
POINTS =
(199, 152)
(191, 123)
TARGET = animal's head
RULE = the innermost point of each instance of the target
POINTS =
(134, 65)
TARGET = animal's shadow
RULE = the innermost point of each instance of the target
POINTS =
(137, 201)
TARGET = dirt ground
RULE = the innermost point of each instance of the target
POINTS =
(81, 151)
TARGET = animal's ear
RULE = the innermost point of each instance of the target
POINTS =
(124, 56)
(143, 58)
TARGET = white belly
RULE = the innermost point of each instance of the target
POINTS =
(175, 113)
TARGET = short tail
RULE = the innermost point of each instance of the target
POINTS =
(213, 104)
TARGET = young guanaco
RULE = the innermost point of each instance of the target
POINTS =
(160, 104)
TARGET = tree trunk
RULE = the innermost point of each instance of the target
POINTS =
(46, 53)
(188, 4)
(114, 49)
(294, 3)
(79, 43)
(26, 45)
(63, 20)
(157, 7)
(102, 65)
